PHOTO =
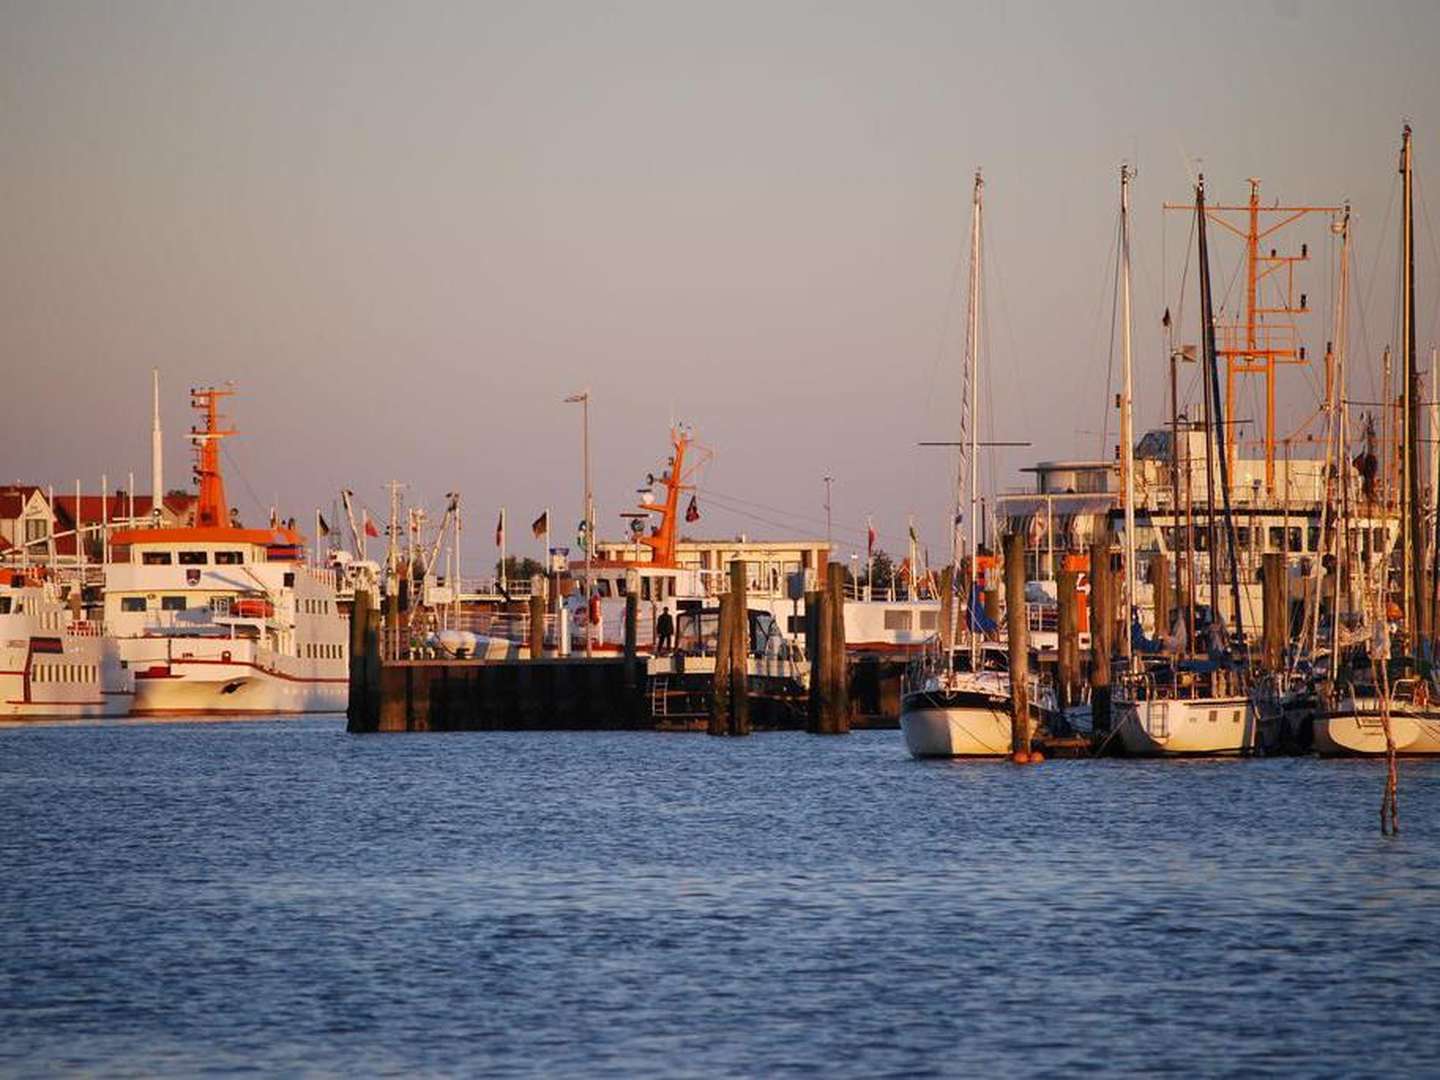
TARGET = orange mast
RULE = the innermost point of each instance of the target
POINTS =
(661, 540)
(1253, 346)
(211, 511)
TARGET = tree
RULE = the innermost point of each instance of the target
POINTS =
(883, 570)
(517, 569)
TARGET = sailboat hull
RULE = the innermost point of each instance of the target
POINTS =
(1174, 727)
(950, 723)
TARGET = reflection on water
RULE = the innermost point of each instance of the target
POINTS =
(187, 896)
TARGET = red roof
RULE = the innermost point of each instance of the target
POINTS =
(115, 509)
(13, 498)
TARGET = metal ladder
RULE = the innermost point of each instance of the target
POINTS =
(660, 695)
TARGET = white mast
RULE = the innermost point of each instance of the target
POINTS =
(1127, 441)
(157, 472)
(974, 336)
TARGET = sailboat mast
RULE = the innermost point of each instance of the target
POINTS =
(1127, 440)
(974, 358)
(1415, 609)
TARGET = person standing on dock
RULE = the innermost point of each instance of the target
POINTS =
(664, 631)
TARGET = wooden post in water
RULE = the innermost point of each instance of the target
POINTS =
(1019, 646)
(838, 695)
(1069, 637)
(813, 650)
(1160, 591)
(1101, 626)
(537, 626)
(739, 650)
(1276, 608)
(721, 688)
(947, 611)
(992, 607)
(632, 664)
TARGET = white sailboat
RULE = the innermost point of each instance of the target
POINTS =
(951, 708)
(1170, 711)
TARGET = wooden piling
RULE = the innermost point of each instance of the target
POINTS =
(1069, 651)
(838, 664)
(722, 681)
(537, 626)
(1019, 647)
(1101, 628)
(739, 650)
(947, 610)
(632, 662)
(1275, 608)
(1160, 593)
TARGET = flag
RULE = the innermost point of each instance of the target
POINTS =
(869, 539)
(500, 530)
(692, 512)
(914, 539)
(370, 529)
(274, 518)
(541, 525)
(324, 525)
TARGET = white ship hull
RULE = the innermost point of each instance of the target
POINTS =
(1354, 729)
(52, 665)
(1186, 726)
(939, 723)
(237, 687)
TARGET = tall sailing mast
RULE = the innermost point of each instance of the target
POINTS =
(1416, 610)
(972, 376)
(1127, 438)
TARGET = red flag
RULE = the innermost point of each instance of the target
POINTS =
(870, 540)
(500, 530)
(692, 512)
(370, 529)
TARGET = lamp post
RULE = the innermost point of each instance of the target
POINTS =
(583, 399)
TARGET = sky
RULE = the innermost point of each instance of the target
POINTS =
(408, 232)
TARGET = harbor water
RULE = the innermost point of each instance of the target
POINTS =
(283, 897)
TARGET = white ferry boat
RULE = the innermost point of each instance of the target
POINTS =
(219, 619)
(54, 663)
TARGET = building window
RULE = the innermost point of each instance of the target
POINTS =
(132, 603)
(229, 558)
(36, 529)
(897, 620)
(929, 620)
(155, 558)
(194, 558)
(172, 603)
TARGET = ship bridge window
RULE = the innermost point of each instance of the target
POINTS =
(229, 558)
(132, 603)
(602, 587)
(194, 558)
(620, 586)
(172, 603)
(155, 558)
(4, 605)
(1242, 536)
(897, 620)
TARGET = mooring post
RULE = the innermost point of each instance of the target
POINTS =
(1019, 646)
(1276, 609)
(721, 689)
(1101, 626)
(836, 703)
(1069, 650)
(537, 625)
(1160, 594)
(947, 611)
(739, 650)
(632, 664)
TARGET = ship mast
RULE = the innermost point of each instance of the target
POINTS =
(1127, 440)
(1416, 613)
(157, 472)
(211, 509)
(974, 340)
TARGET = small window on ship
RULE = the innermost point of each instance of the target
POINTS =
(194, 558)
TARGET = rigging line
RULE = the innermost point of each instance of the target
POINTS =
(1434, 254)
(721, 499)
(235, 466)
(941, 344)
(991, 453)
(1110, 353)
(1099, 319)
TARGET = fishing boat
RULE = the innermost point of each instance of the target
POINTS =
(219, 619)
(54, 662)
(957, 702)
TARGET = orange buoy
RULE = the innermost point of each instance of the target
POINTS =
(1036, 757)
(1020, 757)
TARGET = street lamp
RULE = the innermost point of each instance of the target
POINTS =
(583, 399)
(828, 541)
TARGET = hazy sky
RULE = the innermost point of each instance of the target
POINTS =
(407, 231)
